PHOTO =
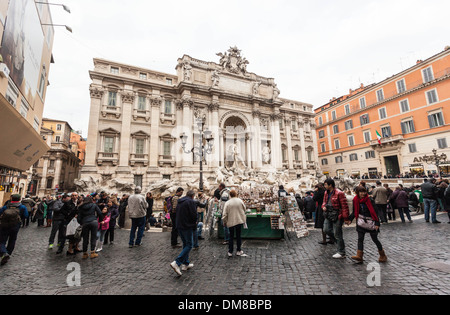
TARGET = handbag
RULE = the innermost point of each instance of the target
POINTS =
(72, 227)
(331, 214)
(366, 223)
(77, 235)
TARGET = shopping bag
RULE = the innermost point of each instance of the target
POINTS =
(72, 227)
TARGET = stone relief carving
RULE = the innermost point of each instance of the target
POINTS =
(233, 62)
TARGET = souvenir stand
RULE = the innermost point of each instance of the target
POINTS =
(265, 213)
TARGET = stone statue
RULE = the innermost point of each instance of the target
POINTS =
(235, 152)
(266, 154)
(276, 91)
(187, 71)
(256, 88)
(215, 78)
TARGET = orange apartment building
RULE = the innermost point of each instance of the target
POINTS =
(411, 112)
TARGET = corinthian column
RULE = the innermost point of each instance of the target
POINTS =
(94, 116)
(256, 143)
(187, 128)
(125, 135)
(154, 131)
(214, 108)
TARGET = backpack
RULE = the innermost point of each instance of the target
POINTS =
(225, 195)
(413, 199)
(11, 216)
(168, 204)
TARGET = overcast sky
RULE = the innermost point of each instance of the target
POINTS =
(315, 50)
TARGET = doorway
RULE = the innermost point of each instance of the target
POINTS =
(392, 167)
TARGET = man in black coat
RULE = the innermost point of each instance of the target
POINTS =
(429, 193)
(60, 221)
(186, 222)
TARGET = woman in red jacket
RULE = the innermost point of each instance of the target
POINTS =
(367, 222)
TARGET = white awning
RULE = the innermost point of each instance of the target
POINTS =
(20, 145)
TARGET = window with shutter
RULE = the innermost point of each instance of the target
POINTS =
(436, 120)
(386, 131)
(401, 86)
(404, 106)
(364, 119)
(427, 75)
(442, 143)
(407, 126)
(432, 97)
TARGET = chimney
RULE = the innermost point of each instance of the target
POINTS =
(419, 61)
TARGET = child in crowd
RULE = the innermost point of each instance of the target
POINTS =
(103, 226)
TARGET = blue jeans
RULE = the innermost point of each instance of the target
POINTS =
(8, 235)
(406, 211)
(187, 237)
(238, 229)
(334, 229)
(430, 204)
(139, 224)
(226, 232)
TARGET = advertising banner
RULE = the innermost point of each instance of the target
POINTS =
(22, 46)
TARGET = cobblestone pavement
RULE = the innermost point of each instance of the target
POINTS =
(419, 262)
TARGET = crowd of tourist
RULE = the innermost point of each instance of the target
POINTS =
(90, 220)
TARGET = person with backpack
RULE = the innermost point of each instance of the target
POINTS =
(29, 203)
(10, 221)
(172, 203)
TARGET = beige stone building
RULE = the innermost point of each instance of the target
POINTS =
(138, 115)
(56, 171)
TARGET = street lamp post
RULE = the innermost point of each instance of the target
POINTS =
(199, 149)
(66, 8)
(435, 159)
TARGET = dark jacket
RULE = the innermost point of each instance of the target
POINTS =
(114, 212)
(63, 213)
(400, 197)
(447, 199)
(87, 213)
(318, 197)
(429, 190)
(310, 204)
(338, 201)
(150, 207)
(186, 214)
